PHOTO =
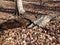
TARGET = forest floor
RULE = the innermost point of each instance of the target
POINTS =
(14, 32)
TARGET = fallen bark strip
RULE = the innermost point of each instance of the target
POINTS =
(32, 7)
(49, 4)
(41, 9)
(52, 4)
(7, 4)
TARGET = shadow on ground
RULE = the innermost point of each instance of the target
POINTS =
(7, 10)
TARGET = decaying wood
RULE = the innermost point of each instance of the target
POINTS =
(33, 8)
(11, 32)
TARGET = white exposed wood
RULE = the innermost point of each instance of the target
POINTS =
(20, 7)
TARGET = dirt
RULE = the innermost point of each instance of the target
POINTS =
(13, 29)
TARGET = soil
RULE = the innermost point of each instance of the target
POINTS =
(13, 29)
